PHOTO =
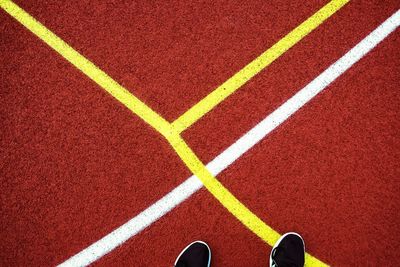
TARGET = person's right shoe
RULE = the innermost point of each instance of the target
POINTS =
(289, 251)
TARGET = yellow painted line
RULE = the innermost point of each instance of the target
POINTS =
(226, 198)
(257, 65)
(88, 68)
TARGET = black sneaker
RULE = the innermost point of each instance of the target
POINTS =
(288, 251)
(197, 254)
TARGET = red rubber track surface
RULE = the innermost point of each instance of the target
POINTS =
(171, 55)
(287, 75)
(75, 164)
(330, 176)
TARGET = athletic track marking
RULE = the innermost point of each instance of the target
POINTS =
(151, 117)
(160, 124)
(254, 67)
(233, 152)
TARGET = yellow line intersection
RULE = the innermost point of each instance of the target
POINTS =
(172, 131)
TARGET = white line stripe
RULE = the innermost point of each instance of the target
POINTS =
(232, 153)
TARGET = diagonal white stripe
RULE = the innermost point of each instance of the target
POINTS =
(232, 153)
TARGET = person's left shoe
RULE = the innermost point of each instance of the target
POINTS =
(196, 254)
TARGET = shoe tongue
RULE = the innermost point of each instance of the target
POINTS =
(281, 259)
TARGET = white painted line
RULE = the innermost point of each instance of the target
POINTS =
(232, 153)
(136, 224)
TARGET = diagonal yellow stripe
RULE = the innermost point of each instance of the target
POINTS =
(257, 65)
(227, 199)
(88, 68)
